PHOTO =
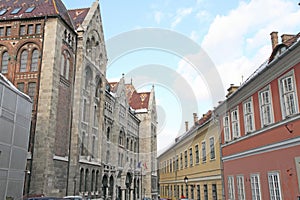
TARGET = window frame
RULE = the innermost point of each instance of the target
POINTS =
(240, 187)
(249, 115)
(203, 150)
(255, 187)
(231, 192)
(292, 93)
(212, 148)
(272, 185)
(226, 127)
(263, 105)
(235, 122)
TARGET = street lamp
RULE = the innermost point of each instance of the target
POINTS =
(186, 179)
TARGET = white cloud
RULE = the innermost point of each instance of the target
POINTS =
(240, 41)
(194, 36)
(180, 14)
(158, 16)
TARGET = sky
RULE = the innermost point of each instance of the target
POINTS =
(190, 50)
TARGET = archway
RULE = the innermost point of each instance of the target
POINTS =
(104, 185)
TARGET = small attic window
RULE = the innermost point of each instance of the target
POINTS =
(30, 9)
(16, 10)
(3, 11)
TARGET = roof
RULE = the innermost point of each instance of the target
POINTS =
(78, 15)
(40, 8)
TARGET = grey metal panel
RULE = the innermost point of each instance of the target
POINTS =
(9, 100)
(4, 156)
(18, 159)
(6, 130)
(21, 137)
(2, 188)
(13, 189)
(1, 88)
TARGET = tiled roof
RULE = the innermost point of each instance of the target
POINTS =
(41, 8)
(78, 15)
(113, 86)
(139, 100)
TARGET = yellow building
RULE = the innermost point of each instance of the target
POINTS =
(191, 167)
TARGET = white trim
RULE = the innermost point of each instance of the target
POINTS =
(264, 149)
(269, 89)
(60, 158)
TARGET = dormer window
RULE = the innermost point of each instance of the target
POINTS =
(15, 11)
(3, 11)
(279, 52)
(29, 10)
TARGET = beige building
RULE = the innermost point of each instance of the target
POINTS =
(191, 167)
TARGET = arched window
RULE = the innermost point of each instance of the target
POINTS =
(4, 64)
(81, 178)
(34, 60)
(65, 65)
(93, 180)
(107, 133)
(86, 180)
(121, 138)
(88, 77)
(24, 60)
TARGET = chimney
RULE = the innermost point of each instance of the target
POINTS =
(231, 90)
(186, 126)
(286, 37)
(195, 117)
(274, 39)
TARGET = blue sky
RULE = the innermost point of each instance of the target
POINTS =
(234, 34)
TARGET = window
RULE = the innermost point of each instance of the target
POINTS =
(248, 116)
(8, 31)
(212, 148)
(29, 10)
(227, 134)
(231, 195)
(203, 151)
(197, 153)
(34, 61)
(20, 86)
(205, 192)
(288, 96)
(24, 59)
(198, 192)
(93, 146)
(240, 187)
(65, 65)
(177, 167)
(214, 191)
(82, 144)
(30, 29)
(191, 157)
(3, 11)
(170, 165)
(235, 123)
(255, 187)
(84, 110)
(266, 107)
(181, 163)
(22, 29)
(88, 77)
(121, 138)
(4, 63)
(38, 28)
(95, 117)
(31, 90)
(274, 185)
(1, 31)
(185, 159)
(15, 11)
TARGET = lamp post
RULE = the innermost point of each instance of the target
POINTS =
(186, 179)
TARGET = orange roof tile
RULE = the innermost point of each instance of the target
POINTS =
(78, 15)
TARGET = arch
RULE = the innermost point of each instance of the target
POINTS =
(81, 178)
(86, 180)
(111, 186)
(108, 133)
(27, 55)
(65, 64)
(99, 84)
(121, 136)
(23, 60)
(93, 180)
(104, 185)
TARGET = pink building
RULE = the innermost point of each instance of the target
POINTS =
(260, 128)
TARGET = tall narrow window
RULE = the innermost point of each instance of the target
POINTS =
(20, 86)
(197, 154)
(212, 148)
(1, 31)
(31, 91)
(93, 146)
(22, 30)
(34, 60)
(205, 191)
(214, 191)
(95, 117)
(4, 64)
(24, 60)
(248, 116)
(177, 159)
(231, 195)
(274, 185)
(240, 187)
(288, 96)
(198, 192)
(203, 151)
(82, 144)
(191, 157)
(235, 123)
(8, 31)
(38, 28)
(84, 112)
(266, 107)
(108, 133)
(30, 29)
(227, 134)
(88, 77)
(255, 187)
(185, 159)
(181, 163)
